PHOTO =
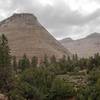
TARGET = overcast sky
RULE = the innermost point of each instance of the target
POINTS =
(62, 18)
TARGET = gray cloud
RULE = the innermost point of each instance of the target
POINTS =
(59, 19)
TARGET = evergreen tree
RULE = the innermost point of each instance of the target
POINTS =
(75, 57)
(34, 62)
(97, 60)
(46, 61)
(33, 84)
(91, 63)
(24, 63)
(83, 63)
(5, 58)
(69, 59)
(62, 64)
(5, 65)
(15, 66)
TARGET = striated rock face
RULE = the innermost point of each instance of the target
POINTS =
(85, 47)
(27, 35)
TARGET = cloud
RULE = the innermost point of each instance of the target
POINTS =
(62, 18)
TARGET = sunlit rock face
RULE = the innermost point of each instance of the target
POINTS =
(27, 35)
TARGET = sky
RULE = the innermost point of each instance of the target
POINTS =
(62, 18)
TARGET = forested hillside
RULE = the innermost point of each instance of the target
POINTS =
(69, 78)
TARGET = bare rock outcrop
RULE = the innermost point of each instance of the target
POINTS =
(85, 47)
(3, 97)
(27, 35)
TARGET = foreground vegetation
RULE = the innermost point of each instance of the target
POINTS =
(63, 79)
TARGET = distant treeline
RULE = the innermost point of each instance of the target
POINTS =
(25, 79)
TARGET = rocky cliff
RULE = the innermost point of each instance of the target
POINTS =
(27, 35)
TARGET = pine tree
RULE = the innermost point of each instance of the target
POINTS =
(24, 63)
(15, 66)
(5, 58)
(69, 59)
(34, 61)
(63, 64)
(97, 59)
(75, 57)
(5, 65)
(46, 62)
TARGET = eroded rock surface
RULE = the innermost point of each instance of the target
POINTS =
(27, 35)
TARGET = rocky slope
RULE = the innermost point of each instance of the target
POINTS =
(27, 35)
(85, 47)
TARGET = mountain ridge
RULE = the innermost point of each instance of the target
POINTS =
(26, 35)
(84, 47)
